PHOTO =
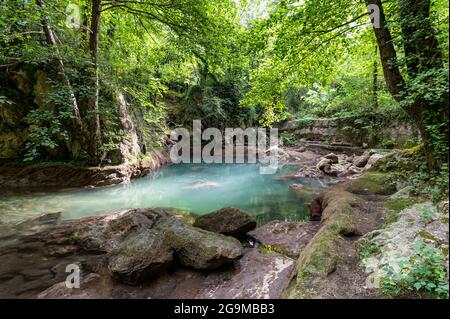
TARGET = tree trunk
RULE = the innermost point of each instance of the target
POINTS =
(375, 80)
(92, 101)
(422, 56)
(421, 53)
(77, 122)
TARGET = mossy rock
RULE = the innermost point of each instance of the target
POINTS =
(321, 255)
(426, 235)
(404, 160)
(394, 206)
(372, 183)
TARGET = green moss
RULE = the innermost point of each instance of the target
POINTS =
(426, 235)
(322, 253)
(372, 183)
(405, 160)
(267, 249)
(444, 220)
(395, 206)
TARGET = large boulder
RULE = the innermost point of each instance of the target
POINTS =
(227, 221)
(198, 248)
(323, 164)
(140, 257)
(333, 157)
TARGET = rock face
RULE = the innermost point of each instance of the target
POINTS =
(287, 238)
(227, 221)
(57, 176)
(131, 246)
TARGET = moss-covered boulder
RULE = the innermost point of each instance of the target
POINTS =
(140, 257)
(198, 248)
(371, 183)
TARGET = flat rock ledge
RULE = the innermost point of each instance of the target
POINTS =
(287, 238)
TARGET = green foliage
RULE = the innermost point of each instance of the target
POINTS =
(423, 274)
(388, 144)
(366, 248)
(288, 138)
(44, 134)
(433, 184)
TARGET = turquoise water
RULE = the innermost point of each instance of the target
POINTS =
(196, 188)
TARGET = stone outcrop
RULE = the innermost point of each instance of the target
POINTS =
(60, 175)
(132, 246)
(332, 130)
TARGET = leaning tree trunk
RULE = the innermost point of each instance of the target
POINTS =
(92, 101)
(421, 53)
(77, 122)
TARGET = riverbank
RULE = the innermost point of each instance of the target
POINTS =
(60, 176)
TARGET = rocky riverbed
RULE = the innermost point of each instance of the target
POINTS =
(157, 253)
(151, 253)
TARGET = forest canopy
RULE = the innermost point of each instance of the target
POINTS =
(228, 63)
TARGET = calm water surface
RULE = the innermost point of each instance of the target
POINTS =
(196, 188)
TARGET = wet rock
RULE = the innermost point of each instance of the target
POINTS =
(315, 209)
(198, 248)
(324, 164)
(57, 175)
(333, 157)
(89, 289)
(41, 220)
(260, 276)
(227, 221)
(287, 238)
(361, 161)
(140, 257)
